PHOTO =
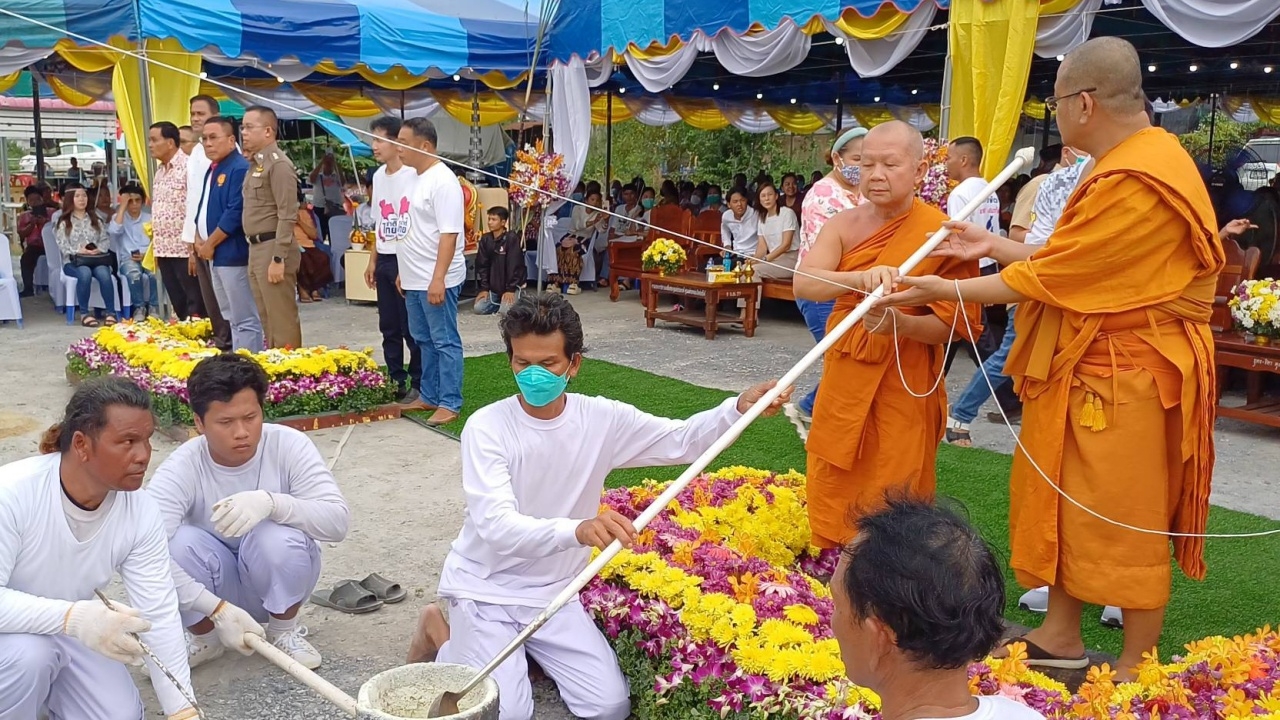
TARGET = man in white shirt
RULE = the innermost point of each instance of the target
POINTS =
(739, 226)
(393, 184)
(203, 107)
(245, 507)
(533, 514)
(70, 519)
(624, 231)
(918, 596)
(432, 269)
(964, 165)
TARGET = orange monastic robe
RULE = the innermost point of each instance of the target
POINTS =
(1114, 362)
(870, 434)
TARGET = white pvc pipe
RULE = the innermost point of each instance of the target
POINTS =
(326, 689)
(679, 484)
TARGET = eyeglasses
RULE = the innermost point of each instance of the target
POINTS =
(1051, 102)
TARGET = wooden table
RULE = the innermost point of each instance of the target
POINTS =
(687, 286)
(1231, 350)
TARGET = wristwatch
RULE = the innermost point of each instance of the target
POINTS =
(277, 259)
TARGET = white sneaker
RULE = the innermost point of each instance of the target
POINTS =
(1036, 601)
(1112, 617)
(201, 651)
(294, 644)
(574, 289)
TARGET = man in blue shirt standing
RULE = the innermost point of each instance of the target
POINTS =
(128, 234)
(220, 233)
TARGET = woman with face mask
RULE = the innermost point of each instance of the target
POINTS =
(837, 191)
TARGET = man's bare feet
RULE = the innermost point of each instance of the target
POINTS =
(432, 632)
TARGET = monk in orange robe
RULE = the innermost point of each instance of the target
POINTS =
(1114, 363)
(871, 434)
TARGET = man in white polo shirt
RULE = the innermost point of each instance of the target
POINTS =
(432, 269)
(203, 107)
(964, 165)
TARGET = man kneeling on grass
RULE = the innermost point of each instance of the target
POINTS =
(533, 469)
(246, 506)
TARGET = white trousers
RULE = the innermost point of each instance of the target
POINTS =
(570, 648)
(275, 568)
(59, 674)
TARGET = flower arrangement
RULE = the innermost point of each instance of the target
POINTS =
(716, 612)
(160, 356)
(1255, 307)
(534, 174)
(936, 186)
(664, 255)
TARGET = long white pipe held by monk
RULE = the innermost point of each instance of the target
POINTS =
(1023, 159)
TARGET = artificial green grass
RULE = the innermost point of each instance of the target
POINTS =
(1238, 596)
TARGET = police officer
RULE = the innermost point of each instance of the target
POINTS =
(270, 212)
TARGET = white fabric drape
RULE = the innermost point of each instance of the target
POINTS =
(570, 117)
(599, 69)
(748, 118)
(288, 103)
(1060, 34)
(658, 74)
(764, 53)
(873, 58)
(290, 70)
(537, 110)
(417, 102)
(913, 115)
(652, 111)
(15, 57)
(1214, 23)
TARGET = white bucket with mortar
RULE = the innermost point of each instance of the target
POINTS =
(406, 693)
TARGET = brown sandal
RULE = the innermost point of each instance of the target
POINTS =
(89, 321)
(959, 437)
(109, 320)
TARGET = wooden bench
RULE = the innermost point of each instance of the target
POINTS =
(777, 289)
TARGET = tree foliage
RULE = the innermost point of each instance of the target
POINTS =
(1229, 137)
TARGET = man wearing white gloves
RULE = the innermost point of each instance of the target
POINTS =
(245, 507)
(69, 520)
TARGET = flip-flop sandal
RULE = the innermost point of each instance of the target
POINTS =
(382, 588)
(959, 438)
(1039, 657)
(348, 597)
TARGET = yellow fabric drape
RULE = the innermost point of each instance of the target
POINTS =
(493, 109)
(655, 50)
(496, 80)
(68, 94)
(91, 59)
(869, 116)
(1267, 109)
(126, 90)
(1056, 7)
(700, 113)
(347, 102)
(885, 21)
(800, 122)
(934, 112)
(8, 81)
(1034, 107)
(991, 47)
(395, 78)
(600, 110)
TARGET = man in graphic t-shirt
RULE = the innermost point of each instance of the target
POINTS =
(393, 183)
(432, 269)
(964, 163)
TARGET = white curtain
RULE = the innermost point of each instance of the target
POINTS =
(873, 58)
(762, 54)
(913, 115)
(1214, 23)
(658, 74)
(537, 110)
(828, 115)
(652, 111)
(15, 57)
(289, 104)
(748, 118)
(290, 70)
(418, 102)
(599, 69)
(1060, 34)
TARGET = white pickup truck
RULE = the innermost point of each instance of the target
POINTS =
(86, 154)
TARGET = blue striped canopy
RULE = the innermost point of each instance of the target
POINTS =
(98, 20)
(419, 35)
(584, 26)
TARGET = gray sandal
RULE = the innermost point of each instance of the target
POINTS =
(382, 588)
(348, 597)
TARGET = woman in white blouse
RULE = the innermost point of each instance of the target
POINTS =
(778, 226)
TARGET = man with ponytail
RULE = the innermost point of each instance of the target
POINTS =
(70, 519)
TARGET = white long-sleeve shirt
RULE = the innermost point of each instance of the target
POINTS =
(197, 166)
(287, 464)
(529, 483)
(740, 234)
(44, 568)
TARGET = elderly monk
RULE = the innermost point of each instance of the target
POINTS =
(1113, 360)
(876, 428)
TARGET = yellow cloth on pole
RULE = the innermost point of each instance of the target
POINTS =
(991, 48)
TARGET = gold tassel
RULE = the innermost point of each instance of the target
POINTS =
(1086, 413)
(1099, 418)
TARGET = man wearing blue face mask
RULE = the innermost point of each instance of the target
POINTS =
(533, 469)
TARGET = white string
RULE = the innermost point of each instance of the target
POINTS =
(946, 351)
(937, 382)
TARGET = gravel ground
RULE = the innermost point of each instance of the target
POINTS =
(402, 482)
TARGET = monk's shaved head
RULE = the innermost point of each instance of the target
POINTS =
(1111, 66)
(896, 132)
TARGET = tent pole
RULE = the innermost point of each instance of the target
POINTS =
(944, 119)
(140, 156)
(1048, 126)
(1213, 123)
(608, 138)
(313, 144)
(839, 104)
(35, 121)
(402, 106)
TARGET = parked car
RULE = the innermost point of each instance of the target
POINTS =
(86, 154)
(1264, 162)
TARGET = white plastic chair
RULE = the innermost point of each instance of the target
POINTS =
(339, 243)
(10, 303)
(64, 295)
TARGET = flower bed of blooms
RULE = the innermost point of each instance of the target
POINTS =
(159, 357)
(716, 613)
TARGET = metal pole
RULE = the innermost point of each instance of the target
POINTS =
(608, 139)
(1213, 122)
(313, 145)
(401, 105)
(547, 140)
(839, 102)
(35, 120)
(1048, 126)
(140, 156)
(944, 116)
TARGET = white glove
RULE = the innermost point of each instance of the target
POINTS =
(106, 631)
(231, 623)
(1028, 157)
(236, 515)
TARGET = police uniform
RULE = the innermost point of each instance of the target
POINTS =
(270, 212)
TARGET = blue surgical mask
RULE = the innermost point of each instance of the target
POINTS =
(852, 174)
(540, 386)
(577, 197)
(648, 203)
(713, 199)
(1082, 159)
(695, 199)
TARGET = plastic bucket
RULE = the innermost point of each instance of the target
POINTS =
(406, 693)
